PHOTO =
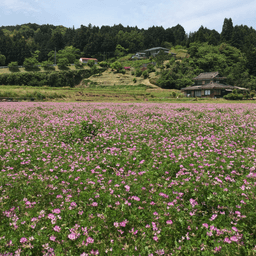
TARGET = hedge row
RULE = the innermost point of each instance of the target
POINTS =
(52, 79)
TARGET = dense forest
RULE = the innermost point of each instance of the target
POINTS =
(232, 52)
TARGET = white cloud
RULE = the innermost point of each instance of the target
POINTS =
(17, 6)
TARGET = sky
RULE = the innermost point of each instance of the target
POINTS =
(191, 14)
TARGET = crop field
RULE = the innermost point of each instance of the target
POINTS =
(127, 179)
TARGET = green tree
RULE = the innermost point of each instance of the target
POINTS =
(62, 63)
(13, 66)
(117, 66)
(2, 59)
(47, 65)
(91, 63)
(120, 51)
(31, 64)
(227, 31)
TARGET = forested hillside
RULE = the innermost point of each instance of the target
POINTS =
(231, 52)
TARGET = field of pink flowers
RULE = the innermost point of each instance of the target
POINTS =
(127, 179)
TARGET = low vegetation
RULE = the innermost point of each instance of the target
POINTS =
(127, 179)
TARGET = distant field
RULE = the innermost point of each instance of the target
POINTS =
(117, 93)
(7, 71)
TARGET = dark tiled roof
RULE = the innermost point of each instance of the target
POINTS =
(208, 75)
(212, 86)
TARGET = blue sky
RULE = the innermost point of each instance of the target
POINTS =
(191, 14)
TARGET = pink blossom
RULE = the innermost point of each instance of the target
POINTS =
(23, 240)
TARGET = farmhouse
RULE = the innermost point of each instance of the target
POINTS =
(85, 60)
(211, 85)
(152, 52)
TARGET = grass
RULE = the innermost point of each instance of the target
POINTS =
(127, 179)
(7, 71)
(117, 93)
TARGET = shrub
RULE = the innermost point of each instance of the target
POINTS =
(104, 64)
(47, 65)
(150, 68)
(138, 72)
(134, 80)
(62, 63)
(91, 63)
(117, 66)
(78, 64)
(13, 66)
(145, 74)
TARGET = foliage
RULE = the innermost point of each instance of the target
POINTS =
(120, 51)
(62, 63)
(2, 59)
(78, 64)
(145, 74)
(150, 68)
(52, 79)
(31, 64)
(47, 65)
(91, 63)
(83, 178)
(138, 72)
(13, 66)
(104, 64)
(117, 66)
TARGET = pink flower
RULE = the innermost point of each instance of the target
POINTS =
(235, 229)
(94, 204)
(205, 225)
(155, 238)
(57, 228)
(226, 240)
(52, 238)
(116, 224)
(169, 222)
(214, 216)
(122, 224)
(234, 239)
(23, 240)
(72, 236)
(51, 216)
(73, 204)
(57, 211)
(90, 240)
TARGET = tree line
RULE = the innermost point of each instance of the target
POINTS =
(21, 41)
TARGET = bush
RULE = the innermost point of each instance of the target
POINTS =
(91, 63)
(117, 66)
(145, 74)
(62, 63)
(103, 64)
(138, 73)
(13, 66)
(233, 96)
(151, 68)
(78, 64)
(134, 80)
(47, 65)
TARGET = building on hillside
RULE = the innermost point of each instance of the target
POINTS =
(152, 52)
(139, 56)
(155, 51)
(85, 60)
(211, 85)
